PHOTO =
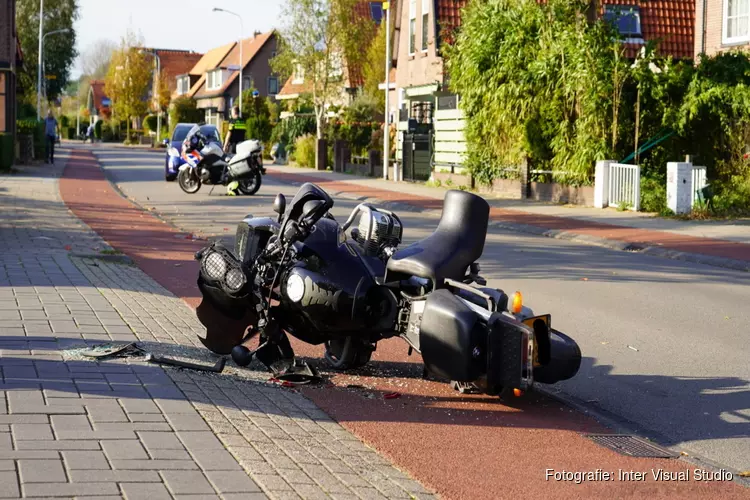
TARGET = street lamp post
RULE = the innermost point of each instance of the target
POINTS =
(242, 30)
(39, 63)
(387, 130)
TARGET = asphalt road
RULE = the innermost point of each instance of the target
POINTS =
(666, 343)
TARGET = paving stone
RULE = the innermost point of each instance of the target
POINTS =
(232, 482)
(85, 460)
(200, 441)
(41, 471)
(244, 496)
(116, 450)
(133, 491)
(115, 476)
(9, 485)
(170, 454)
(58, 445)
(187, 482)
(154, 464)
(273, 482)
(30, 432)
(161, 441)
(6, 465)
(215, 460)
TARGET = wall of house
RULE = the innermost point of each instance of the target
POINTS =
(714, 28)
(259, 69)
(422, 67)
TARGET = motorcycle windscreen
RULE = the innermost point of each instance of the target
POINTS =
(224, 331)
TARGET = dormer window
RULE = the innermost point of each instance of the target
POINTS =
(214, 79)
(183, 84)
(626, 18)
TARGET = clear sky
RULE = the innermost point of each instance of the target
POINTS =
(172, 24)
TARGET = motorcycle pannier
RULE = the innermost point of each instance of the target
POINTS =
(449, 336)
(240, 169)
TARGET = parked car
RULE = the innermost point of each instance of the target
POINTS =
(173, 158)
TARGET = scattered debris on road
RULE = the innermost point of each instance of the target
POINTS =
(632, 348)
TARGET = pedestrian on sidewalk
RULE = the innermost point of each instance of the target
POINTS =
(89, 134)
(51, 129)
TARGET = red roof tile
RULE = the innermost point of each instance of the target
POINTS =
(97, 87)
(672, 22)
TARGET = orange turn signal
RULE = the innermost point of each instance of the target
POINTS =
(517, 303)
(517, 393)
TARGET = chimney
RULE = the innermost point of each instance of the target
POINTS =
(256, 33)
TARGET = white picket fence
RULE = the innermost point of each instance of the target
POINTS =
(699, 182)
(625, 186)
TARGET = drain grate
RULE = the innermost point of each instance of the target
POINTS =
(631, 445)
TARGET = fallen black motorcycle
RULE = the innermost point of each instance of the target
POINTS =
(301, 274)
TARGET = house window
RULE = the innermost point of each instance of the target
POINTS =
(412, 26)
(299, 75)
(626, 18)
(736, 21)
(247, 82)
(183, 85)
(425, 23)
(273, 85)
(213, 117)
(213, 80)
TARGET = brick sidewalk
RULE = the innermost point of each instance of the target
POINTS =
(124, 428)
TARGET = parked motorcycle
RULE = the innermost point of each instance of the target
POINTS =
(301, 274)
(206, 163)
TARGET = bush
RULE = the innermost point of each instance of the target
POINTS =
(288, 130)
(34, 128)
(71, 132)
(150, 123)
(259, 127)
(304, 148)
(6, 151)
(106, 132)
(653, 195)
(64, 122)
(98, 130)
(184, 110)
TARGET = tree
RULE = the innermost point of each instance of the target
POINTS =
(59, 49)
(128, 79)
(96, 58)
(374, 67)
(319, 38)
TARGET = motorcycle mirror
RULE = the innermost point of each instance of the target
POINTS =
(165, 142)
(279, 205)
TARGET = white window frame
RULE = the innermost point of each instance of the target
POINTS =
(214, 79)
(299, 75)
(725, 38)
(412, 48)
(182, 88)
(425, 20)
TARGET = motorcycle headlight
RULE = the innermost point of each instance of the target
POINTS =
(215, 266)
(295, 287)
(235, 279)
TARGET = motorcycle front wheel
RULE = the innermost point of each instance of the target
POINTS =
(342, 357)
(188, 183)
(251, 185)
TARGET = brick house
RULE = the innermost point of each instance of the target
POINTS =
(721, 25)
(172, 64)
(420, 92)
(98, 104)
(214, 80)
(10, 60)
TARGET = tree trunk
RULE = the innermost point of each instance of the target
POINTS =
(319, 122)
(127, 128)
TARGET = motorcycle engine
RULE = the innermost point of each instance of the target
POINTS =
(378, 231)
(205, 175)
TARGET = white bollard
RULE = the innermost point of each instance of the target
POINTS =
(601, 184)
(680, 187)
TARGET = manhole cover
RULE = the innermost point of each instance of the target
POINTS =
(631, 445)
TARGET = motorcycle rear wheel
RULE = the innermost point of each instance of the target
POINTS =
(251, 185)
(359, 355)
(187, 182)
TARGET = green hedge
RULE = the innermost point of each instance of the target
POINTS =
(98, 130)
(6, 151)
(35, 128)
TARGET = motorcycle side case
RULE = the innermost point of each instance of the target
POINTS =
(452, 339)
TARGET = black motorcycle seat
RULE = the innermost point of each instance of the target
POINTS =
(457, 242)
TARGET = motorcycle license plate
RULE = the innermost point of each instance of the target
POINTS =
(547, 319)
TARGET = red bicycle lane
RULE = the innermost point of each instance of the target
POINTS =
(461, 446)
